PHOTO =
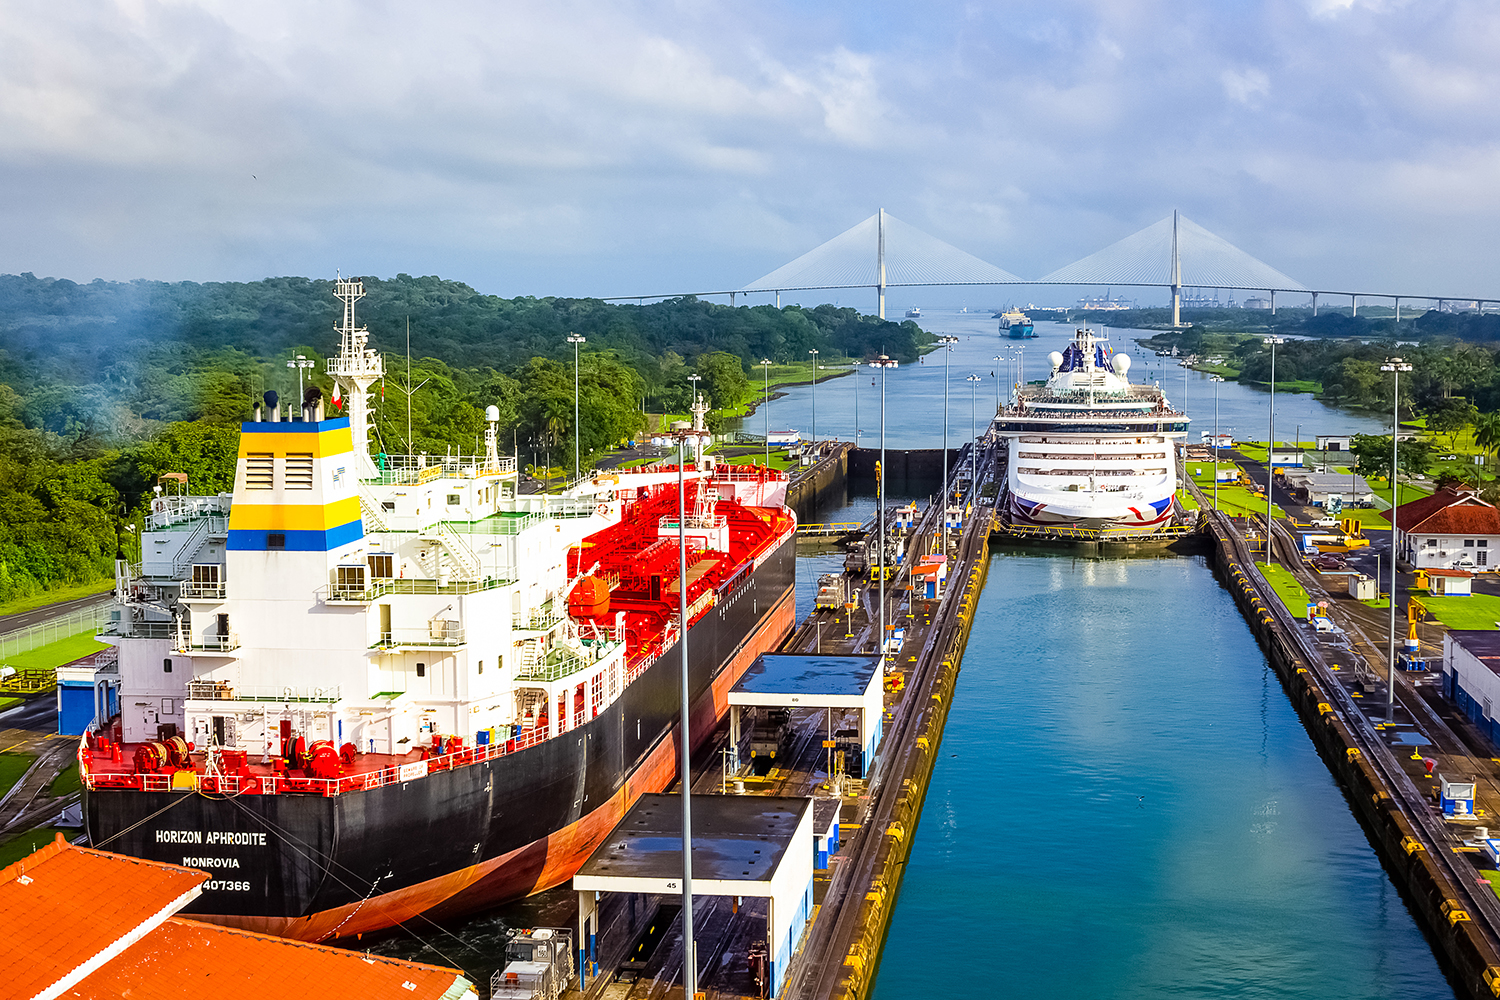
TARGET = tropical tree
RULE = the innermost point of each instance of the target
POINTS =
(1487, 433)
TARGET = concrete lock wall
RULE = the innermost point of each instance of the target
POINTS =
(915, 463)
(830, 475)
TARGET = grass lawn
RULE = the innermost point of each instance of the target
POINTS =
(66, 781)
(12, 766)
(1479, 611)
(1409, 491)
(1185, 500)
(1494, 879)
(1237, 501)
(779, 460)
(9, 702)
(55, 654)
(16, 848)
(1287, 588)
(71, 593)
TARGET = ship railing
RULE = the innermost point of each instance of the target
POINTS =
(540, 619)
(334, 594)
(140, 630)
(204, 590)
(516, 739)
(407, 470)
(169, 510)
(559, 663)
(210, 690)
(438, 632)
(211, 643)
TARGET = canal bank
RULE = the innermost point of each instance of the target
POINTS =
(1423, 856)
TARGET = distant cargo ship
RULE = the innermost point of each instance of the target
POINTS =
(914, 313)
(1088, 448)
(1017, 324)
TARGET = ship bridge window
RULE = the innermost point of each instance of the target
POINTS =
(454, 499)
(299, 471)
(350, 579)
(380, 565)
(259, 470)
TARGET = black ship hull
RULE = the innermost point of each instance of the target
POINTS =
(317, 868)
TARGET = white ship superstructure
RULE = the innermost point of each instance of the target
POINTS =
(369, 600)
(1090, 449)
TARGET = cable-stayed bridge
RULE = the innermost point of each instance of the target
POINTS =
(882, 252)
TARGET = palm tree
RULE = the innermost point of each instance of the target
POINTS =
(1487, 432)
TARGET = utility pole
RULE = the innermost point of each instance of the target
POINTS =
(575, 340)
(1270, 448)
(765, 367)
(1395, 366)
(947, 341)
(885, 364)
(973, 440)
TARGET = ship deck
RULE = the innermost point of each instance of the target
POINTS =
(101, 768)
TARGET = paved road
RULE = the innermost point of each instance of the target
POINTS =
(39, 715)
(9, 623)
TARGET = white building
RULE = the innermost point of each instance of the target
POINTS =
(1471, 675)
(1452, 529)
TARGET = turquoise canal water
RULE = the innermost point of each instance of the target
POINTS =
(1125, 805)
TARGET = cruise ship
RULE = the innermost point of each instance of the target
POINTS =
(1088, 449)
(363, 687)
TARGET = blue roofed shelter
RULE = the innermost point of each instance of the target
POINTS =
(809, 680)
(743, 845)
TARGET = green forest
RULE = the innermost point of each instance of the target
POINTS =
(104, 386)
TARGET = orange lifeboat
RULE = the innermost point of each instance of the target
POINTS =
(590, 599)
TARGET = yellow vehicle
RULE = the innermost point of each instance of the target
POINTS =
(1352, 539)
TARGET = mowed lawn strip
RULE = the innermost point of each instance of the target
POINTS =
(1481, 611)
(1287, 588)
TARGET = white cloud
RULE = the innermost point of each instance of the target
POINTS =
(1247, 86)
(582, 146)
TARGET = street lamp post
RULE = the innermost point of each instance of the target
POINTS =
(575, 340)
(301, 362)
(814, 354)
(947, 342)
(1270, 448)
(1007, 359)
(682, 429)
(765, 366)
(1216, 379)
(1395, 366)
(885, 364)
(973, 438)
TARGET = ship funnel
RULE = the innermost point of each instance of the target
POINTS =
(1122, 364)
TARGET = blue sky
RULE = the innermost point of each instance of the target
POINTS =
(611, 148)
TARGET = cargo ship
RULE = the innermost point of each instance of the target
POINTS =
(363, 687)
(1089, 449)
(1017, 324)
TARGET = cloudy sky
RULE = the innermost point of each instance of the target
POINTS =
(591, 148)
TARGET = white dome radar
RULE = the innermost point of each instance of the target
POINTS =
(1056, 358)
(1122, 364)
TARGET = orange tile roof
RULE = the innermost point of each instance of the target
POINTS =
(1448, 572)
(66, 910)
(1447, 512)
(189, 960)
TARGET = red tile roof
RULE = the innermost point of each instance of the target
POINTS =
(188, 960)
(67, 910)
(1448, 513)
(1448, 572)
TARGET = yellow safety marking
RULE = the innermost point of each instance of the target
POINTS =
(1352, 753)
(1324, 708)
(1411, 846)
(321, 444)
(293, 517)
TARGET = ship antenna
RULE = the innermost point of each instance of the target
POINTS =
(355, 369)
